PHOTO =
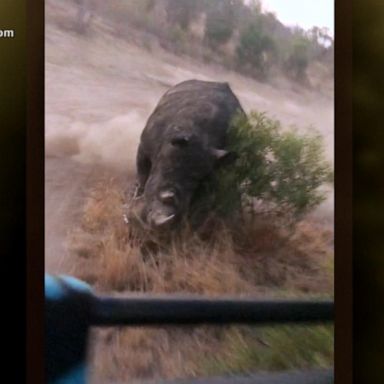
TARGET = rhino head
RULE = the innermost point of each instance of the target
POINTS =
(182, 163)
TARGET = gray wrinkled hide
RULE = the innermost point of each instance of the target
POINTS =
(182, 143)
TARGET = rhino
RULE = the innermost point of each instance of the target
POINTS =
(182, 144)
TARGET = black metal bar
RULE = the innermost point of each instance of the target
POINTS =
(193, 311)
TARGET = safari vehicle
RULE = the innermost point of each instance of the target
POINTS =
(71, 309)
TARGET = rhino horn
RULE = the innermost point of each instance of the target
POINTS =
(161, 220)
(223, 156)
(219, 153)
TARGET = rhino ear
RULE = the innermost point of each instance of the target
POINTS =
(180, 141)
(223, 157)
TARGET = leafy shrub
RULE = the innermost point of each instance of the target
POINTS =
(254, 44)
(181, 12)
(121, 12)
(298, 59)
(177, 38)
(220, 22)
(277, 171)
(217, 31)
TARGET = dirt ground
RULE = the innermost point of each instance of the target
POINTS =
(99, 92)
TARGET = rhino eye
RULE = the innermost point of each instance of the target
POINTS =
(167, 197)
(181, 141)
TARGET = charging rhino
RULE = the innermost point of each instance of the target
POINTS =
(182, 144)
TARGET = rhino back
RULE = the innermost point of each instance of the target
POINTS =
(199, 107)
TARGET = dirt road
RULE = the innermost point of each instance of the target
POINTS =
(99, 92)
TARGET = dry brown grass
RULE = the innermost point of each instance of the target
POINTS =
(255, 259)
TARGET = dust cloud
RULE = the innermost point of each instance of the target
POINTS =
(111, 143)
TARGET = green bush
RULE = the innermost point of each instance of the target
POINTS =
(124, 12)
(254, 44)
(181, 12)
(217, 31)
(220, 22)
(178, 39)
(298, 59)
(277, 171)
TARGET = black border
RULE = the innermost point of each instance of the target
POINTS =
(368, 91)
(343, 192)
(35, 191)
(12, 184)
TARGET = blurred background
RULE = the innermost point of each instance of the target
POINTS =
(106, 66)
